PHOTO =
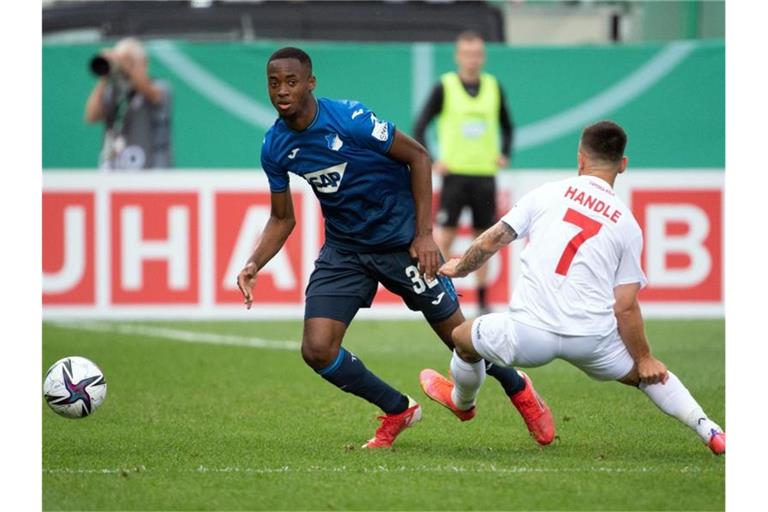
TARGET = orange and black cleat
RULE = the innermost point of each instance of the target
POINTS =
(439, 389)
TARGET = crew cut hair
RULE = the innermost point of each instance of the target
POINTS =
(290, 52)
(605, 140)
(469, 35)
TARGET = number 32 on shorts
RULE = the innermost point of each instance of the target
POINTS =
(418, 283)
(589, 228)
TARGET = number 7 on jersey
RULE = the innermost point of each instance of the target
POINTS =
(589, 228)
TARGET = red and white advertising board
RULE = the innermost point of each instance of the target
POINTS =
(170, 244)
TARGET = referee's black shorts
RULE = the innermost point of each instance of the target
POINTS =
(476, 192)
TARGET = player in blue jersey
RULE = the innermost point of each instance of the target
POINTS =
(374, 186)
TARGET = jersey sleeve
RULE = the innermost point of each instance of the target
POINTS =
(432, 108)
(367, 130)
(522, 213)
(278, 178)
(630, 271)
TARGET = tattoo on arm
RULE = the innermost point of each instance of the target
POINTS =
(485, 246)
(503, 234)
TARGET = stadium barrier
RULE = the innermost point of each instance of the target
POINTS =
(170, 244)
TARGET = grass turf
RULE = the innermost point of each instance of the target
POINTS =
(200, 426)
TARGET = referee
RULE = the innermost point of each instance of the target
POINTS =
(472, 116)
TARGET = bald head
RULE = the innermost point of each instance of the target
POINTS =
(131, 48)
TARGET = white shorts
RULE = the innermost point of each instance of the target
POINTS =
(502, 341)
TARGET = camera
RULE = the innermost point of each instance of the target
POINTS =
(103, 67)
(100, 65)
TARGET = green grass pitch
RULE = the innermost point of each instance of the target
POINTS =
(201, 426)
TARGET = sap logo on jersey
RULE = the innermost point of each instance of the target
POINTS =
(327, 180)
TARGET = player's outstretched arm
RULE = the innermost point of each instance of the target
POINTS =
(482, 248)
(423, 248)
(279, 226)
(632, 331)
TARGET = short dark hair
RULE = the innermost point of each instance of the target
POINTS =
(604, 140)
(290, 52)
(469, 35)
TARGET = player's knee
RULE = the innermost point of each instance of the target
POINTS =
(462, 332)
(462, 341)
(317, 354)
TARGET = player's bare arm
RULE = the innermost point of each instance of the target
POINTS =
(630, 324)
(279, 226)
(423, 248)
(482, 248)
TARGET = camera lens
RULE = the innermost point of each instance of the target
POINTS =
(99, 66)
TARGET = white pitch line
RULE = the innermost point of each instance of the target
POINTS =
(180, 335)
(167, 333)
(386, 469)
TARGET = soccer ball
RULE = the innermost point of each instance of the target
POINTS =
(74, 387)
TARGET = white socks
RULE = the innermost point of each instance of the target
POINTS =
(467, 379)
(674, 399)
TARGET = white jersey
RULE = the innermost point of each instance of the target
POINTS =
(583, 241)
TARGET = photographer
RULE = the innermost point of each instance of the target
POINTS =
(135, 109)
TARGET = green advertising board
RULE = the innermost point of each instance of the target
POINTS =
(669, 97)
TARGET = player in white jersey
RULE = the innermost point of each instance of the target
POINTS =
(577, 300)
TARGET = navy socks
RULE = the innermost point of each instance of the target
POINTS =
(349, 374)
(509, 379)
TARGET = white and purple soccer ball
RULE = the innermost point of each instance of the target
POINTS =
(74, 387)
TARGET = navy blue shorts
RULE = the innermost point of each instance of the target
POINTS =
(344, 282)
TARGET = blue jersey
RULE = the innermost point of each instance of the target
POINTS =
(365, 195)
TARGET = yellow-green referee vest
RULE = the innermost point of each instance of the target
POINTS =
(468, 128)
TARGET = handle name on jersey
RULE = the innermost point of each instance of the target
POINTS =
(593, 203)
(589, 228)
